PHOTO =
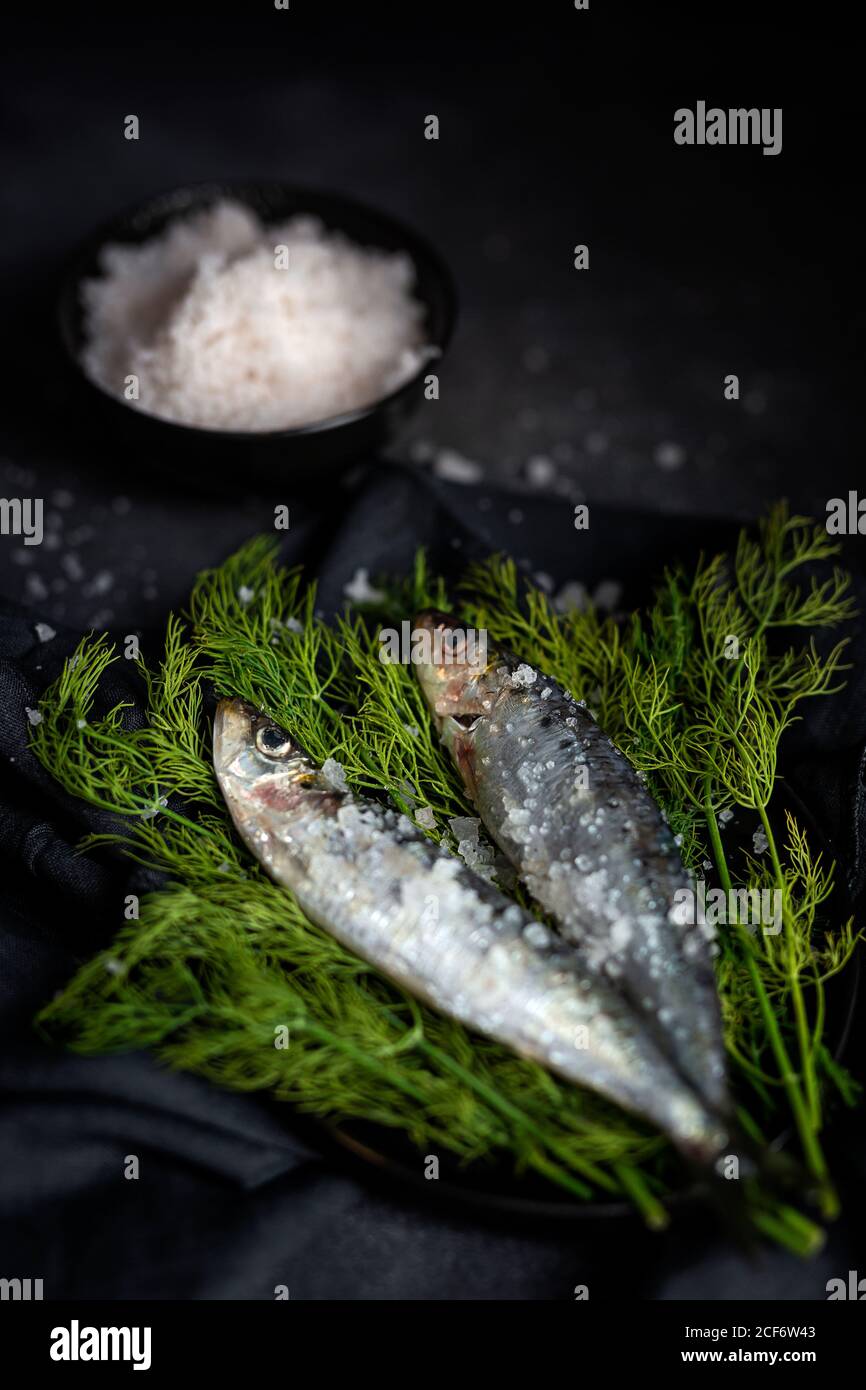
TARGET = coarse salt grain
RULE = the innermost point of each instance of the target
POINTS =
(218, 335)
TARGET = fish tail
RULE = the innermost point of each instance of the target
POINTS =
(747, 1182)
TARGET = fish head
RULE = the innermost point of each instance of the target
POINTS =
(258, 764)
(459, 674)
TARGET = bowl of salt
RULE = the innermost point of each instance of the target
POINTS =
(285, 331)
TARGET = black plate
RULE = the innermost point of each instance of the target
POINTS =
(494, 1187)
(305, 456)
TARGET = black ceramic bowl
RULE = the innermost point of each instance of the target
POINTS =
(304, 455)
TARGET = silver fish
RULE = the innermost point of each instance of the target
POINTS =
(591, 845)
(368, 876)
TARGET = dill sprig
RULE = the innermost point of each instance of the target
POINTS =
(222, 961)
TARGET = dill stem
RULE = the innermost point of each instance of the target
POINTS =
(801, 1236)
(515, 1114)
(649, 1206)
(808, 1138)
(518, 1117)
(362, 753)
(749, 1125)
(804, 1039)
(756, 1073)
(371, 1063)
(554, 1173)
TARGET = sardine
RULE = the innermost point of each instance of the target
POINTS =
(367, 875)
(570, 812)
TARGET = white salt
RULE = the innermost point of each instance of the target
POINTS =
(454, 468)
(607, 595)
(540, 470)
(360, 590)
(218, 335)
(523, 676)
(335, 775)
(669, 455)
(571, 597)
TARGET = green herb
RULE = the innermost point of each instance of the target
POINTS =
(223, 964)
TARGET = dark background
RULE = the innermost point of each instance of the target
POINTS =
(556, 128)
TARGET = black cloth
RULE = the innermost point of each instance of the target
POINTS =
(235, 1196)
(704, 262)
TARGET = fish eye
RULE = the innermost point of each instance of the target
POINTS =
(273, 742)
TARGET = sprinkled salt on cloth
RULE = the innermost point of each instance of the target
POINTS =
(360, 590)
(454, 468)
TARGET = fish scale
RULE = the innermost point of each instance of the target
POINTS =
(368, 876)
(572, 815)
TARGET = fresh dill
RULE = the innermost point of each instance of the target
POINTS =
(698, 691)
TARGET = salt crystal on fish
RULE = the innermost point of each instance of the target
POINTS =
(536, 934)
(335, 775)
(523, 676)
(33, 715)
(465, 827)
(44, 632)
